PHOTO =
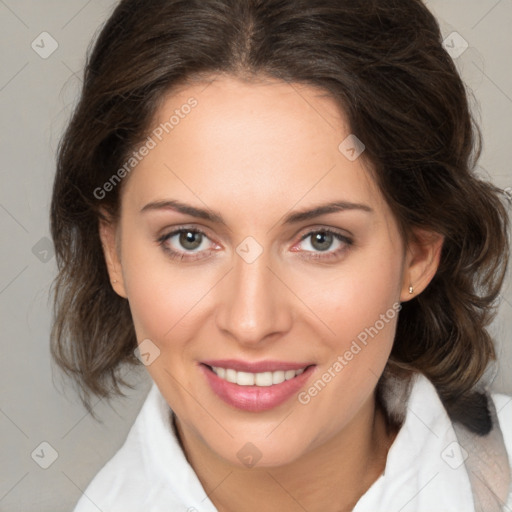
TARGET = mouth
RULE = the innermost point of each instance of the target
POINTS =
(261, 379)
(267, 386)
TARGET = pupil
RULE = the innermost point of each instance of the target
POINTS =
(322, 241)
(190, 240)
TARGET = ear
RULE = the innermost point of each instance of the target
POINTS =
(423, 255)
(108, 231)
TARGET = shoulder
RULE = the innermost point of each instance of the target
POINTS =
(117, 486)
(130, 480)
(120, 483)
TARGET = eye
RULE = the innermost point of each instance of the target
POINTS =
(186, 244)
(323, 244)
(189, 240)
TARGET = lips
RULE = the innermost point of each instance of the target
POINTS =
(256, 386)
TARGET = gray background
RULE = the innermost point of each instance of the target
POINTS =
(36, 96)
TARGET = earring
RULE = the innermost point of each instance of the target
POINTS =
(411, 289)
(115, 281)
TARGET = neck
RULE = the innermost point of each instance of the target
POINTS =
(330, 478)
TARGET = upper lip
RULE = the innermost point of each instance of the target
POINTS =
(257, 366)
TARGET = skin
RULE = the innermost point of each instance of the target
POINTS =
(254, 153)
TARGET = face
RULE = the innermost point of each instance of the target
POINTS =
(263, 266)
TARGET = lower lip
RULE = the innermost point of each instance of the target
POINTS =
(255, 398)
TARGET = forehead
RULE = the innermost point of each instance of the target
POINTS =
(231, 142)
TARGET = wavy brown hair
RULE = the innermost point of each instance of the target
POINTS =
(384, 63)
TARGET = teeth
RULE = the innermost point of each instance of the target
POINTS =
(245, 379)
(278, 377)
(289, 374)
(262, 379)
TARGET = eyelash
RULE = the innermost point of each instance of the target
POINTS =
(326, 255)
(320, 255)
(175, 255)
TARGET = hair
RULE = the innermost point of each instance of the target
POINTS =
(384, 63)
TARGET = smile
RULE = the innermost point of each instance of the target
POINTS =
(255, 387)
(263, 379)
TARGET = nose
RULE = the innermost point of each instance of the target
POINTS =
(253, 305)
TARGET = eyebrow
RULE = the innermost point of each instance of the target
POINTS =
(291, 218)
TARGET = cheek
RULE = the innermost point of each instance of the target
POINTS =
(352, 297)
(161, 294)
(360, 304)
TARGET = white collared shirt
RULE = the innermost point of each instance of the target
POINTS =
(424, 469)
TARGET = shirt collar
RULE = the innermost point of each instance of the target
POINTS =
(424, 469)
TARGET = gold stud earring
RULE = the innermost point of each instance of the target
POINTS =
(411, 289)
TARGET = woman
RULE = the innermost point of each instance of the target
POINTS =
(271, 204)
